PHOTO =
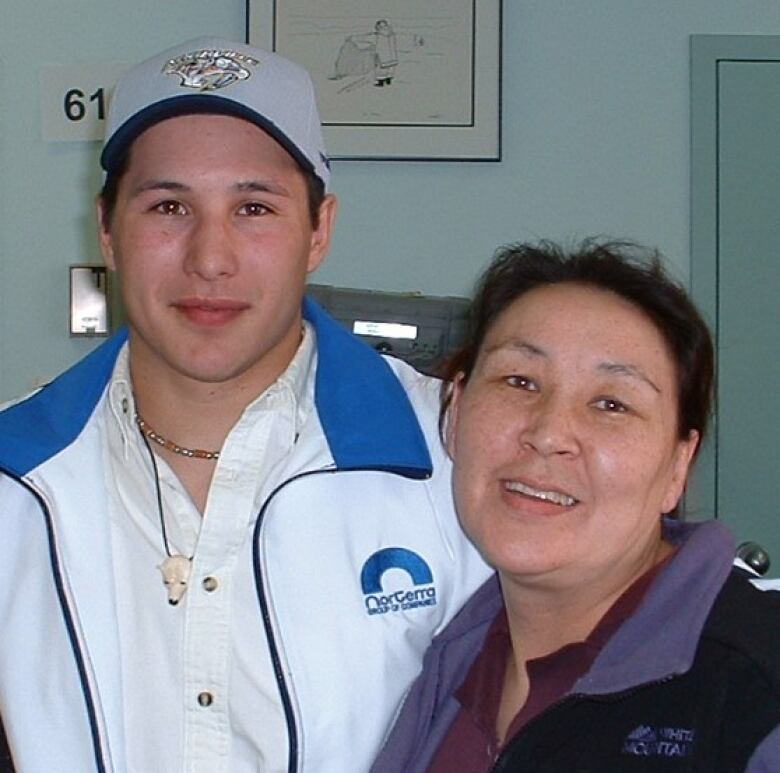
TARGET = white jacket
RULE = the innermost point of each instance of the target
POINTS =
(358, 560)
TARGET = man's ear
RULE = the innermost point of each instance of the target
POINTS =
(104, 235)
(321, 236)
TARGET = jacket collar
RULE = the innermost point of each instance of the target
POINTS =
(658, 640)
(364, 411)
(41, 425)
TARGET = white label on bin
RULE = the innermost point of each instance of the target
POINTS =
(385, 329)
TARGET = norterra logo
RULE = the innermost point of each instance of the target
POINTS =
(377, 602)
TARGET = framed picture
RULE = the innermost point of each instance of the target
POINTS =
(395, 79)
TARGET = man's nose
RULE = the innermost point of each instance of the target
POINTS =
(210, 250)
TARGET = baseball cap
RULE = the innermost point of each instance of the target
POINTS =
(210, 75)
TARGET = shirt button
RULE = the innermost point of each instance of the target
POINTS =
(125, 405)
(205, 699)
(210, 584)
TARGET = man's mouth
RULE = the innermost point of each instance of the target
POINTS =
(210, 312)
(556, 497)
(206, 304)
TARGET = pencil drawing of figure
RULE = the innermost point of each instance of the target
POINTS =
(375, 51)
(386, 58)
(384, 63)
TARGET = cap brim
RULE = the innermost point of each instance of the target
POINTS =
(191, 104)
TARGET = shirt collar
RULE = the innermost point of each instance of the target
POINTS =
(296, 381)
(298, 378)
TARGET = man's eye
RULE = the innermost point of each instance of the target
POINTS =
(610, 405)
(521, 382)
(253, 209)
(170, 208)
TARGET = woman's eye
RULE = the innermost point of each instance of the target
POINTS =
(253, 209)
(169, 208)
(610, 405)
(521, 382)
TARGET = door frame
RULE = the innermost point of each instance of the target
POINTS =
(707, 53)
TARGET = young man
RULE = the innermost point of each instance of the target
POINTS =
(227, 533)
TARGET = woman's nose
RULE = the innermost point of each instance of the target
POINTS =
(550, 429)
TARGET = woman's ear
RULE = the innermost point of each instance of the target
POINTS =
(451, 417)
(683, 457)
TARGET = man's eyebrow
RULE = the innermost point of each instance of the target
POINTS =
(158, 185)
(627, 369)
(246, 186)
(262, 186)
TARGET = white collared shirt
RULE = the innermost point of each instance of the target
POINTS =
(199, 692)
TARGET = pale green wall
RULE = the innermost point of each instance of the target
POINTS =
(596, 140)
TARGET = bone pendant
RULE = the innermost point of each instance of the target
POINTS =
(176, 574)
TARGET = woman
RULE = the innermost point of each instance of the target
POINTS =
(614, 638)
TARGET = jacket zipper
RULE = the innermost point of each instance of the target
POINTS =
(276, 660)
(572, 698)
(99, 745)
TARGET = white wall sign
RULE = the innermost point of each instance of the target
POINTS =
(74, 100)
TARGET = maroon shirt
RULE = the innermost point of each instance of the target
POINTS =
(471, 745)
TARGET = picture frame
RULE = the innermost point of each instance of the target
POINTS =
(89, 309)
(395, 79)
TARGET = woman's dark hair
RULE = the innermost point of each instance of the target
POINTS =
(632, 272)
(315, 191)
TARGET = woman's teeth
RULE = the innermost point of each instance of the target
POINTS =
(556, 497)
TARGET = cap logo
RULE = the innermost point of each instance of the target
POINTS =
(210, 69)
